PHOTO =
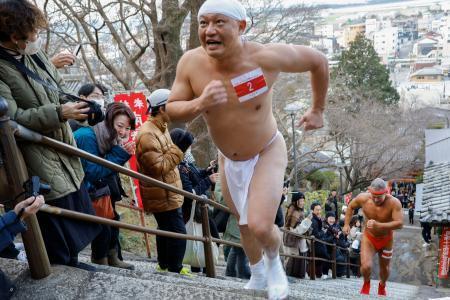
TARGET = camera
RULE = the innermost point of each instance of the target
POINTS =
(95, 113)
(286, 183)
(213, 169)
(334, 230)
(34, 187)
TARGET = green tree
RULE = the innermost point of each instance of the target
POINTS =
(360, 69)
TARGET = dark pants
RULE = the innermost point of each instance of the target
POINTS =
(411, 218)
(237, 264)
(170, 251)
(6, 287)
(426, 232)
(106, 240)
(10, 252)
(64, 238)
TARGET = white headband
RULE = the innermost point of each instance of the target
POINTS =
(229, 8)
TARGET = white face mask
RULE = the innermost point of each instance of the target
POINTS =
(100, 102)
(31, 48)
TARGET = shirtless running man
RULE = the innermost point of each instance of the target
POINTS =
(229, 82)
(384, 214)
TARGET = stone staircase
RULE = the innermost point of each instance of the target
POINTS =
(145, 283)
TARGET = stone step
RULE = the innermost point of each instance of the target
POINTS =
(146, 283)
(300, 289)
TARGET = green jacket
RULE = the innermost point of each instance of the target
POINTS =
(39, 110)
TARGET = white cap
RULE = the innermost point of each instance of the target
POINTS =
(230, 8)
(158, 97)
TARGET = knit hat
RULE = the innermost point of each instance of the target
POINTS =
(182, 138)
(297, 195)
(330, 214)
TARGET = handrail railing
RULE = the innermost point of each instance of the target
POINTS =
(27, 134)
(207, 239)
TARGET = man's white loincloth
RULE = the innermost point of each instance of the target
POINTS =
(239, 174)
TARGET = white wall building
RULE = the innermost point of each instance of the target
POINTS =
(324, 30)
(386, 42)
(424, 23)
(372, 26)
(446, 41)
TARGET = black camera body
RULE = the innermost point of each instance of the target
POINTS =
(95, 113)
(33, 187)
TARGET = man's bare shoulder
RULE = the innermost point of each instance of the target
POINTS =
(394, 202)
(192, 57)
(359, 200)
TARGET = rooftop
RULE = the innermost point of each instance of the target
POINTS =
(436, 194)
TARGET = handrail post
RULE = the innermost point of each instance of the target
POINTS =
(312, 268)
(147, 244)
(207, 244)
(17, 174)
(348, 263)
(333, 269)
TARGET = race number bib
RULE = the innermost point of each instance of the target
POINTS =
(250, 85)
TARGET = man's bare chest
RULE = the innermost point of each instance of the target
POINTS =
(244, 82)
(378, 213)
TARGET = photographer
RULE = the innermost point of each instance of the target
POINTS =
(10, 225)
(32, 87)
(192, 177)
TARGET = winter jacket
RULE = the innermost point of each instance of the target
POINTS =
(319, 234)
(294, 216)
(158, 157)
(193, 179)
(10, 225)
(39, 109)
(87, 141)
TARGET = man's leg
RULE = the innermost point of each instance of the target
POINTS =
(384, 258)
(251, 246)
(264, 193)
(367, 252)
(263, 200)
(384, 268)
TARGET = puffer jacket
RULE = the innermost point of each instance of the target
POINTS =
(157, 156)
(34, 107)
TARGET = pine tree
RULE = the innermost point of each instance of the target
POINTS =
(360, 69)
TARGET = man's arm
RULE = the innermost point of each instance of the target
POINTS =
(355, 203)
(182, 106)
(298, 59)
(397, 218)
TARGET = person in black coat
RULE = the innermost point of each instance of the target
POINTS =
(318, 232)
(193, 179)
(333, 234)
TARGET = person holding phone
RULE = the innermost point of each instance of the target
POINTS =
(10, 225)
(109, 140)
(65, 58)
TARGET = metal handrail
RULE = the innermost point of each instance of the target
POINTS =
(27, 134)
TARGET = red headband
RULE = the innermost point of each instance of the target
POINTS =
(372, 191)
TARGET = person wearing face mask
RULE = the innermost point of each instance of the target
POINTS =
(109, 140)
(93, 92)
(44, 110)
(384, 214)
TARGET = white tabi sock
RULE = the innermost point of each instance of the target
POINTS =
(278, 287)
(258, 280)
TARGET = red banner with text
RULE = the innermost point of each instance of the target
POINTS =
(138, 104)
(444, 258)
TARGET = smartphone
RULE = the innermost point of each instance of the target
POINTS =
(76, 50)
